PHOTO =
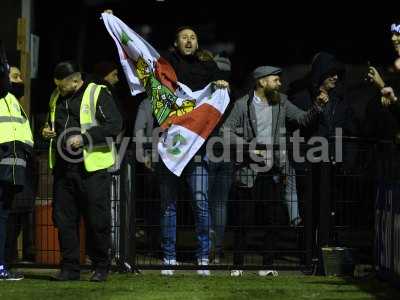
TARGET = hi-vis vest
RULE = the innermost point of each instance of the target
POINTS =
(95, 157)
(14, 124)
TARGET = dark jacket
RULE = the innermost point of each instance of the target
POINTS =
(195, 73)
(337, 113)
(112, 89)
(191, 71)
(380, 122)
(394, 82)
(14, 175)
(107, 114)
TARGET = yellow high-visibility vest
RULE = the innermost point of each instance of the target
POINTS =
(95, 157)
(14, 123)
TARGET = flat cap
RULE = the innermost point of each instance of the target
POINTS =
(266, 71)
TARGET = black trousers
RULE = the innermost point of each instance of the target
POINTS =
(7, 194)
(258, 209)
(79, 193)
(20, 222)
(321, 203)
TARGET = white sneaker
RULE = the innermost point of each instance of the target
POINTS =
(167, 272)
(236, 273)
(217, 260)
(264, 273)
(168, 262)
(203, 262)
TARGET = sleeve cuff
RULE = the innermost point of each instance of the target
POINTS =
(85, 140)
(319, 107)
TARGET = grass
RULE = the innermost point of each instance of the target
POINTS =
(189, 286)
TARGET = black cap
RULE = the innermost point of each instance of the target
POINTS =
(65, 69)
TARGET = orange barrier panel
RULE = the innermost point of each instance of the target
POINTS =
(46, 236)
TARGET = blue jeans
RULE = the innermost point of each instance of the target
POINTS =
(3, 227)
(196, 175)
(220, 181)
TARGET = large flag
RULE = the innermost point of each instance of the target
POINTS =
(187, 117)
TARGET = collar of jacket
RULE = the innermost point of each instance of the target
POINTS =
(78, 94)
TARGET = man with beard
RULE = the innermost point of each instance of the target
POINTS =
(261, 115)
(81, 116)
(193, 66)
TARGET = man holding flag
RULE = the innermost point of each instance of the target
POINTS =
(186, 117)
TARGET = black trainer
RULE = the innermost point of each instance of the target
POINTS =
(99, 276)
(66, 275)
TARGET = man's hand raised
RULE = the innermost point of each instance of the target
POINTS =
(322, 98)
(221, 84)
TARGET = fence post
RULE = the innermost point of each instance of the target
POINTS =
(325, 197)
(125, 200)
(131, 214)
(308, 215)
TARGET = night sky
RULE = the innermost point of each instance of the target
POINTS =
(261, 34)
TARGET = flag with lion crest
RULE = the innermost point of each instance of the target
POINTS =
(186, 117)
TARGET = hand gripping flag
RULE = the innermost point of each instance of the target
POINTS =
(187, 117)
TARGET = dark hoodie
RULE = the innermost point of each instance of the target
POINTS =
(337, 112)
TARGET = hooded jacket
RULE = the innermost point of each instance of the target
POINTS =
(338, 112)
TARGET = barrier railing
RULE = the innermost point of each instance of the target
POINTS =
(280, 222)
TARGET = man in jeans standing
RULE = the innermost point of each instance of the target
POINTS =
(195, 69)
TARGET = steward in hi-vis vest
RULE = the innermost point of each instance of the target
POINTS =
(16, 142)
(82, 115)
(16, 145)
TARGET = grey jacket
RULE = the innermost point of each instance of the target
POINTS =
(241, 125)
(143, 130)
(144, 119)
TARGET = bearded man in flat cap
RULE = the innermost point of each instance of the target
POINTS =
(259, 118)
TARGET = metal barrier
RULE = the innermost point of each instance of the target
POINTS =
(280, 223)
(387, 216)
